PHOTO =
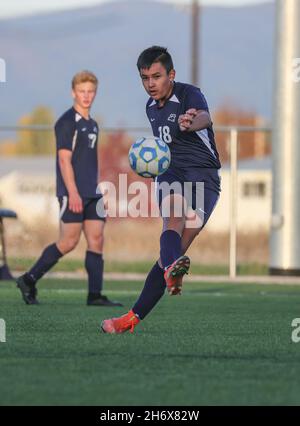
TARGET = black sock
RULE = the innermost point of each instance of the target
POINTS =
(48, 259)
(94, 264)
(153, 290)
(170, 247)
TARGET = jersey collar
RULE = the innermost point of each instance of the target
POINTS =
(78, 116)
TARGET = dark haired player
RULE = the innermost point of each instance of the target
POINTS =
(179, 115)
(77, 177)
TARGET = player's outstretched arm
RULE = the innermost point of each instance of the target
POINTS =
(75, 201)
(194, 120)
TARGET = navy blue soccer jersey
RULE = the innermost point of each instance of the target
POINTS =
(188, 149)
(74, 133)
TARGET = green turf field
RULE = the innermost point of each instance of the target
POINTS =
(218, 344)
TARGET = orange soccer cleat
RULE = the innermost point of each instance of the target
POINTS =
(120, 325)
(174, 274)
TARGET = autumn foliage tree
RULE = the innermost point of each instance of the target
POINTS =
(254, 144)
(36, 142)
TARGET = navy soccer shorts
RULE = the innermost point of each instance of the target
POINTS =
(93, 209)
(199, 186)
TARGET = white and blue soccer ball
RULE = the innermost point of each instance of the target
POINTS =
(149, 157)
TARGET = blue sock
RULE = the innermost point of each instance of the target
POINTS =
(153, 290)
(94, 266)
(170, 247)
(48, 259)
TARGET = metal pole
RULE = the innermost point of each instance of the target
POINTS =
(285, 232)
(233, 202)
(195, 43)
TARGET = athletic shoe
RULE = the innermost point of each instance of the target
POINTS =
(101, 301)
(29, 292)
(174, 274)
(120, 325)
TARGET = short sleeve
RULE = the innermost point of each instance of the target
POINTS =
(194, 98)
(64, 133)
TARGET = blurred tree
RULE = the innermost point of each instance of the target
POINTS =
(251, 144)
(8, 148)
(36, 142)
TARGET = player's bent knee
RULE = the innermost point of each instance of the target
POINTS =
(194, 221)
(174, 224)
(65, 246)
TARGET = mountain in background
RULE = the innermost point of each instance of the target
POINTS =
(42, 52)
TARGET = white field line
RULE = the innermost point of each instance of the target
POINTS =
(116, 276)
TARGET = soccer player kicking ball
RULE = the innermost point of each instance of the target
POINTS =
(77, 177)
(178, 114)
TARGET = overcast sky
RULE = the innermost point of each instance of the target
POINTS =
(22, 7)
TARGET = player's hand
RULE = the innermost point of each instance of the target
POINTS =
(185, 120)
(75, 202)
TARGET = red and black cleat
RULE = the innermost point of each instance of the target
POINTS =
(174, 274)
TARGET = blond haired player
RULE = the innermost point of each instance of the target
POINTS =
(77, 178)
